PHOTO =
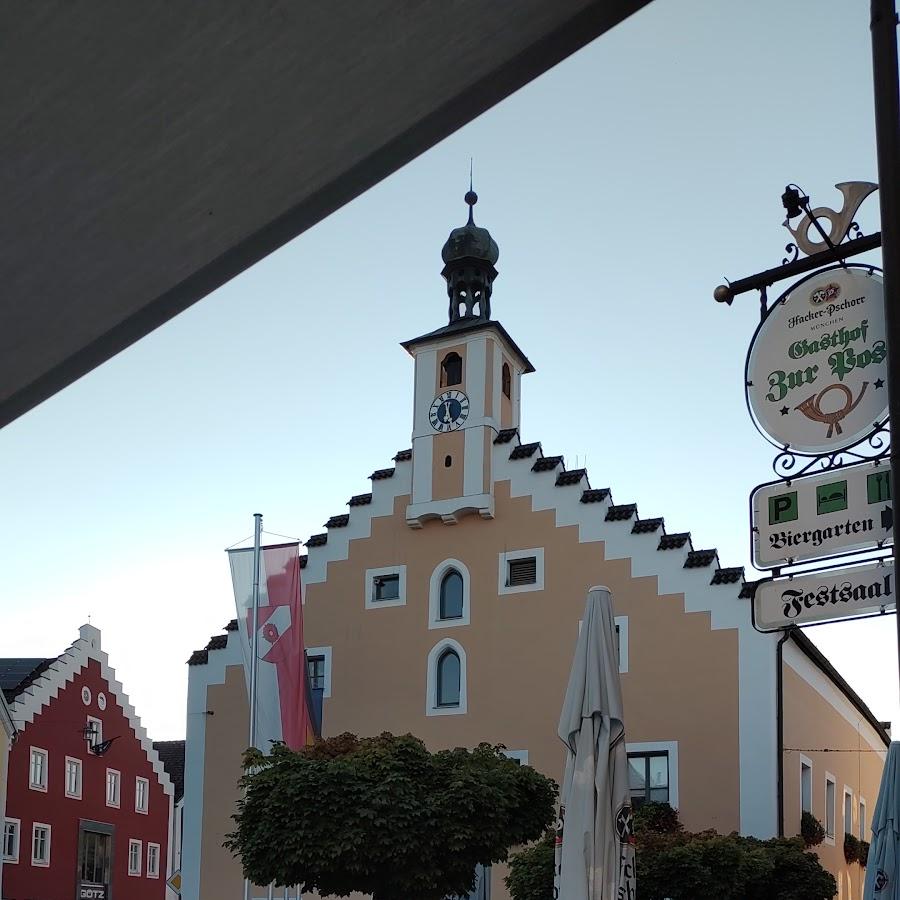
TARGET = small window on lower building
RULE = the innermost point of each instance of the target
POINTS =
(113, 787)
(11, 840)
(448, 679)
(141, 795)
(386, 587)
(521, 571)
(73, 777)
(316, 665)
(134, 857)
(648, 778)
(805, 787)
(40, 844)
(37, 774)
(829, 807)
(153, 860)
(862, 820)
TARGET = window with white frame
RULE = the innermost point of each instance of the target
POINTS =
(152, 860)
(141, 794)
(318, 664)
(385, 587)
(40, 844)
(37, 771)
(448, 595)
(653, 772)
(805, 785)
(521, 570)
(93, 732)
(73, 777)
(862, 819)
(622, 642)
(11, 831)
(829, 807)
(113, 787)
(134, 857)
(848, 811)
(446, 680)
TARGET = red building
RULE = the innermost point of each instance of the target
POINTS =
(89, 804)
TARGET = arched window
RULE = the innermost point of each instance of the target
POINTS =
(451, 370)
(506, 379)
(448, 680)
(451, 603)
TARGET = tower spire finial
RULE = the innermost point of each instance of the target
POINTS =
(471, 197)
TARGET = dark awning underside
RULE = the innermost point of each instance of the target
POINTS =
(151, 151)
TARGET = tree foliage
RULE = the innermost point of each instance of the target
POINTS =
(681, 865)
(811, 829)
(383, 816)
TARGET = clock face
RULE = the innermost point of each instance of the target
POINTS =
(449, 411)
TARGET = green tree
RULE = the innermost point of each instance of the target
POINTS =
(677, 864)
(383, 816)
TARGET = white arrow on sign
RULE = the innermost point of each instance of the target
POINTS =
(824, 596)
(846, 509)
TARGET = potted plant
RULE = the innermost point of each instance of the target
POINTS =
(851, 848)
(811, 830)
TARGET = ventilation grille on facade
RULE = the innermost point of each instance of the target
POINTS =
(522, 571)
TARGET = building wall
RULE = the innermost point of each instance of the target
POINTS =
(5, 746)
(58, 729)
(519, 648)
(824, 730)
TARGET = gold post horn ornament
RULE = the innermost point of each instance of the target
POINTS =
(854, 193)
(812, 407)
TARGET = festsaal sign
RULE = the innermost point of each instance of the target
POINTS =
(824, 596)
(817, 368)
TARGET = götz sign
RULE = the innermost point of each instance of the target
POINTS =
(824, 596)
(817, 368)
(841, 510)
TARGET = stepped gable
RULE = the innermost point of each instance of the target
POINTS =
(625, 513)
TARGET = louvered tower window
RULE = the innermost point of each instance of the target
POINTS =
(521, 571)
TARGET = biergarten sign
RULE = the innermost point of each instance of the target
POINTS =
(817, 369)
(826, 596)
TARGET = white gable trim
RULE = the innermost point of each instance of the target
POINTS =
(62, 671)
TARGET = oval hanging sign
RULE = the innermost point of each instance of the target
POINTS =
(817, 368)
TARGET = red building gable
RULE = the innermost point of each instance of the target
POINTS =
(89, 804)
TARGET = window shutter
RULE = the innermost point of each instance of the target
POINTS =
(522, 571)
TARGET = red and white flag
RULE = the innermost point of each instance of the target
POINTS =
(282, 700)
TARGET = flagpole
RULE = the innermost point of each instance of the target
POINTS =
(254, 646)
(254, 637)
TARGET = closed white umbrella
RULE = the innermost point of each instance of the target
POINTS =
(595, 860)
(882, 870)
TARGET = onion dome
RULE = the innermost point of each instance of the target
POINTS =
(470, 255)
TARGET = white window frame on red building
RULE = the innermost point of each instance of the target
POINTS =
(139, 807)
(135, 870)
(12, 857)
(114, 802)
(76, 793)
(153, 871)
(34, 784)
(43, 861)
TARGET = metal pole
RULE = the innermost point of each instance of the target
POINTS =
(887, 136)
(254, 647)
(254, 637)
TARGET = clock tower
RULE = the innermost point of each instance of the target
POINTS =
(467, 387)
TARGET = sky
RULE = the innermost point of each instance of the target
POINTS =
(622, 186)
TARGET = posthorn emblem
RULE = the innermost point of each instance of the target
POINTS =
(811, 407)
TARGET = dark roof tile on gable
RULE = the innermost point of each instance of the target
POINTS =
(524, 451)
(731, 575)
(595, 495)
(621, 513)
(748, 591)
(317, 540)
(674, 541)
(573, 476)
(218, 642)
(546, 463)
(700, 559)
(341, 521)
(171, 755)
(381, 474)
(17, 674)
(303, 561)
(232, 625)
(360, 500)
(646, 526)
(198, 658)
(403, 456)
(505, 435)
